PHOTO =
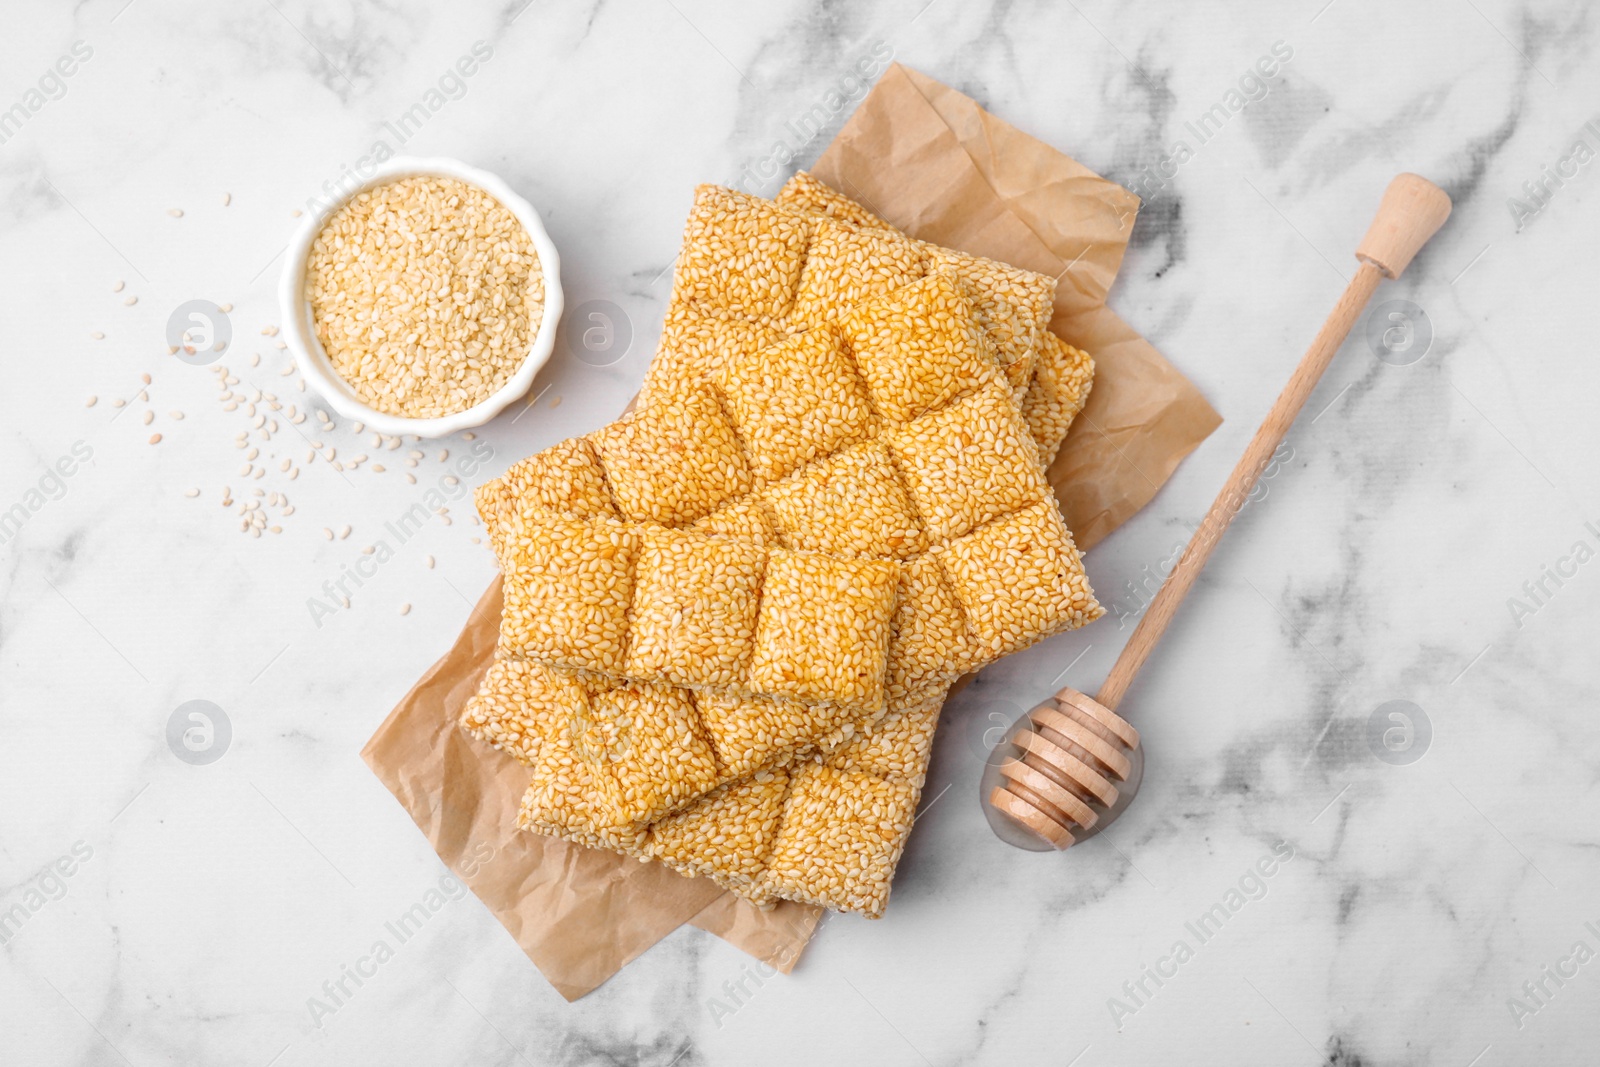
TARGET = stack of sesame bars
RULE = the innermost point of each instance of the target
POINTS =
(732, 616)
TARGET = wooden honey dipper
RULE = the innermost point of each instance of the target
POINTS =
(1077, 763)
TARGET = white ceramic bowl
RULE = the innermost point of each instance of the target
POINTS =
(301, 335)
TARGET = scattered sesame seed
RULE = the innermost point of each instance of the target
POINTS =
(327, 533)
(296, 213)
(91, 402)
(129, 301)
(429, 561)
(253, 453)
(412, 478)
(97, 335)
(117, 286)
(555, 401)
(191, 492)
(175, 212)
(369, 550)
(255, 359)
(468, 436)
(149, 417)
(117, 403)
(244, 471)
(359, 427)
(277, 529)
(225, 308)
(269, 331)
(227, 198)
(175, 416)
(344, 532)
(155, 439)
(377, 468)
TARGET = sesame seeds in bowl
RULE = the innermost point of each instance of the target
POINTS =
(424, 301)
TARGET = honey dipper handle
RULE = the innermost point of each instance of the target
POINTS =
(1412, 211)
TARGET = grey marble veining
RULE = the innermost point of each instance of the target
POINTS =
(1286, 890)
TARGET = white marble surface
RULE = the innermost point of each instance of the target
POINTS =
(208, 903)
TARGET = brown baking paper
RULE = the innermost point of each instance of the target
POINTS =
(935, 164)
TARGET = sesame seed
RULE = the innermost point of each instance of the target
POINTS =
(175, 212)
(155, 439)
(191, 492)
(441, 347)
(405, 609)
(91, 402)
